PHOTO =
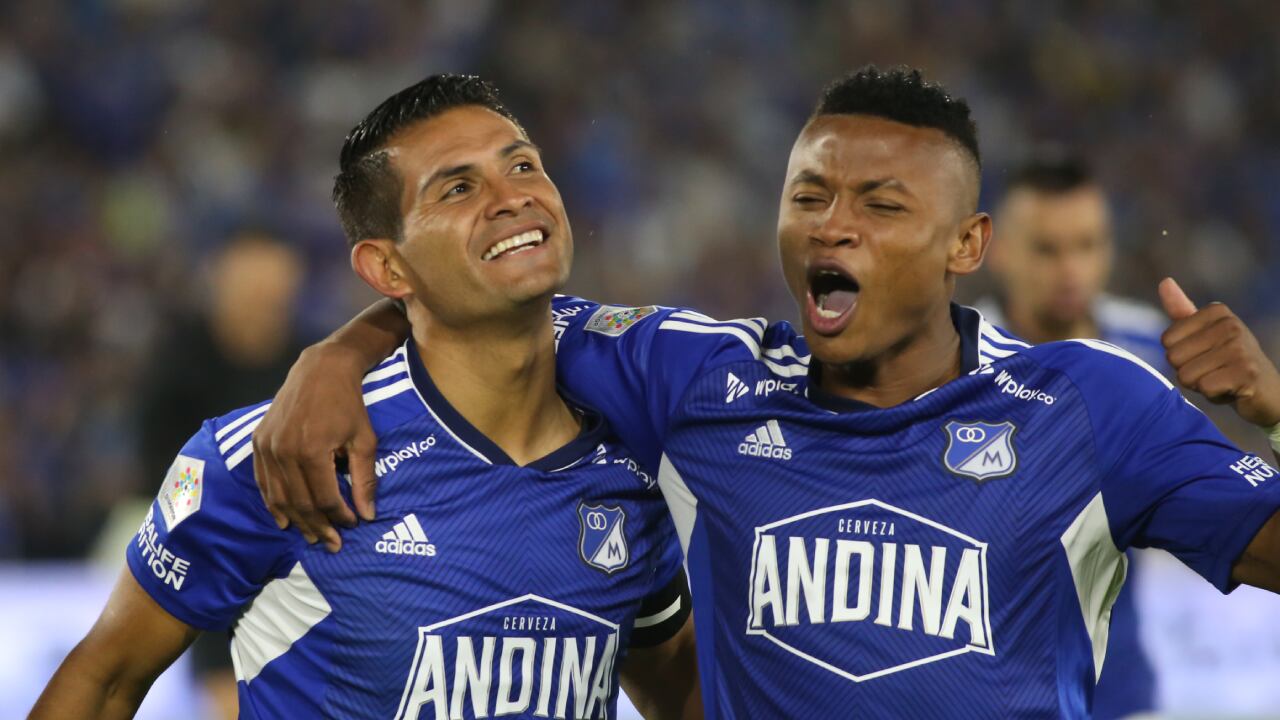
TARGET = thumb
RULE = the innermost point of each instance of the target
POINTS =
(364, 482)
(1176, 303)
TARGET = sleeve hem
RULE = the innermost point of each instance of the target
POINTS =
(1242, 534)
(166, 602)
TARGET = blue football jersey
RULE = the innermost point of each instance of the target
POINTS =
(482, 589)
(956, 556)
(1128, 682)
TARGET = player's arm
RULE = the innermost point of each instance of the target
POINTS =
(662, 681)
(319, 414)
(110, 670)
(1214, 353)
(660, 673)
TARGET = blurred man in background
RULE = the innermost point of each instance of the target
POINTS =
(234, 354)
(1052, 260)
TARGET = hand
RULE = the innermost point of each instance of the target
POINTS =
(318, 416)
(1215, 354)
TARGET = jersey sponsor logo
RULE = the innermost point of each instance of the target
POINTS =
(168, 568)
(388, 463)
(602, 540)
(615, 320)
(734, 389)
(528, 656)
(768, 387)
(980, 450)
(1009, 386)
(634, 468)
(406, 538)
(766, 441)
(182, 490)
(1254, 470)
(866, 589)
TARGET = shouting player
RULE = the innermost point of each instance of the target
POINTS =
(927, 517)
(518, 552)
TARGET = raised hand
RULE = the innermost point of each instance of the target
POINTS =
(1214, 353)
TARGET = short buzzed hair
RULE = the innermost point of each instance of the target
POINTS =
(367, 189)
(902, 95)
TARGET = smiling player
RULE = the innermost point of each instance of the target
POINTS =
(518, 554)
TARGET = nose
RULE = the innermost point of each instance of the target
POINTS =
(506, 199)
(836, 228)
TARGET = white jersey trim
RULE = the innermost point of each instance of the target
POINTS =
(1098, 569)
(1120, 352)
(681, 501)
(285, 611)
(240, 421)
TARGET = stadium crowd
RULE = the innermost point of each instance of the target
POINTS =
(142, 137)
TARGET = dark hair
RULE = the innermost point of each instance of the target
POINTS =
(1051, 170)
(367, 189)
(902, 95)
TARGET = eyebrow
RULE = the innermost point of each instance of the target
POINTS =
(808, 177)
(456, 170)
(888, 183)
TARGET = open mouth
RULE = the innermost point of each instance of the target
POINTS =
(515, 244)
(834, 293)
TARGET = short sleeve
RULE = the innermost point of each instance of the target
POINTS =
(208, 545)
(633, 364)
(1178, 484)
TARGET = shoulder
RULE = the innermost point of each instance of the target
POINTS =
(1104, 374)
(389, 392)
(681, 331)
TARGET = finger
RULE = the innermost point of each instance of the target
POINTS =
(303, 500)
(263, 478)
(1192, 373)
(1206, 339)
(291, 497)
(364, 481)
(321, 479)
(1222, 386)
(1176, 303)
(1179, 330)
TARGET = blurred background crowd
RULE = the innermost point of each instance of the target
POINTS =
(168, 241)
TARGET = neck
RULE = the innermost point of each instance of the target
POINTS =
(1036, 329)
(501, 377)
(923, 361)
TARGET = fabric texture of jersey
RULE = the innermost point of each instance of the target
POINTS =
(956, 556)
(1128, 683)
(482, 589)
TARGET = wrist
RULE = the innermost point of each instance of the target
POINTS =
(1273, 434)
(335, 352)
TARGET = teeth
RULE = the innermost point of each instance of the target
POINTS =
(533, 237)
(823, 311)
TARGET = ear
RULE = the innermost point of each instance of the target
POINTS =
(379, 264)
(971, 245)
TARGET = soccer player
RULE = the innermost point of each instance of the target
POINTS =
(1053, 260)
(518, 552)
(926, 517)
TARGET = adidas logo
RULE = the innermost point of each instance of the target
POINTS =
(766, 442)
(406, 538)
(734, 389)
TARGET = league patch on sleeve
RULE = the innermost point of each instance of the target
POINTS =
(183, 487)
(615, 320)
